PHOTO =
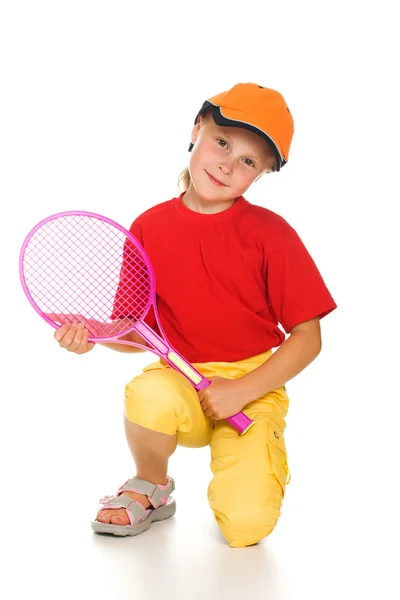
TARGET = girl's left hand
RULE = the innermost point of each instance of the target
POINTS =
(222, 398)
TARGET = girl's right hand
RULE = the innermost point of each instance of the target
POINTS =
(74, 338)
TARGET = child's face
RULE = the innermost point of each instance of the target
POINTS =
(225, 161)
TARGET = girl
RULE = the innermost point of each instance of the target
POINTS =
(231, 274)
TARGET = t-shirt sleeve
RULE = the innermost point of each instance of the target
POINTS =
(295, 287)
(123, 298)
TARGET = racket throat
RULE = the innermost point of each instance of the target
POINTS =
(152, 338)
(169, 354)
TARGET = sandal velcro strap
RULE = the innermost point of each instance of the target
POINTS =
(135, 511)
(157, 494)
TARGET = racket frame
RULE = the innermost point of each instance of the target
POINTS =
(158, 345)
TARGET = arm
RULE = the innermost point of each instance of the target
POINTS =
(73, 336)
(292, 357)
(225, 397)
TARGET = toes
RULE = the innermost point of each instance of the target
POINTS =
(103, 517)
(120, 519)
(114, 517)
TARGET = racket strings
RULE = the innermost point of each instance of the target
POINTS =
(86, 269)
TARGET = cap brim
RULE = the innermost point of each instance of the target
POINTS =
(235, 118)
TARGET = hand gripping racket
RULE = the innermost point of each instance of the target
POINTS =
(80, 266)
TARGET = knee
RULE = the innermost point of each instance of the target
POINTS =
(248, 526)
(245, 520)
(149, 402)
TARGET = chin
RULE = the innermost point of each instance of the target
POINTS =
(210, 193)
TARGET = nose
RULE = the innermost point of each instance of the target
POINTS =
(226, 168)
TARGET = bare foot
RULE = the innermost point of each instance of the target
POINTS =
(119, 516)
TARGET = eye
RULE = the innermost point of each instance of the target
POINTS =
(249, 162)
(222, 143)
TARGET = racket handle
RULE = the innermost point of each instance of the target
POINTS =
(172, 356)
(196, 379)
(240, 422)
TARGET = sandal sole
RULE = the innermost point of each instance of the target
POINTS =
(158, 514)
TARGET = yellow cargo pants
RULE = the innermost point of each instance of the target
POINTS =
(250, 472)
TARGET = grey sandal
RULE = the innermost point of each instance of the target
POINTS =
(140, 518)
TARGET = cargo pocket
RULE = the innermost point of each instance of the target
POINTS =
(277, 464)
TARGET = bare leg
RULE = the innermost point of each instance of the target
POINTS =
(151, 451)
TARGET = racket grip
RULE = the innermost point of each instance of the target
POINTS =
(240, 422)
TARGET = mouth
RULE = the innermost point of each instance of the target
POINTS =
(214, 180)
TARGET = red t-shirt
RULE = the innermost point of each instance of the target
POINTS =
(224, 281)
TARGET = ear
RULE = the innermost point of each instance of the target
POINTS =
(196, 130)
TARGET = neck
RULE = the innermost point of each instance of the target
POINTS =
(194, 202)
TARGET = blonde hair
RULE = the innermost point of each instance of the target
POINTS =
(184, 180)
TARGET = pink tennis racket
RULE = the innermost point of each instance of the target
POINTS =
(80, 266)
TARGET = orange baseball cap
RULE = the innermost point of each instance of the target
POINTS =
(258, 109)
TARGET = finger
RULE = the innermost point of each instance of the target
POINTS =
(69, 340)
(208, 410)
(84, 345)
(204, 395)
(210, 413)
(78, 341)
(59, 333)
(65, 327)
(204, 405)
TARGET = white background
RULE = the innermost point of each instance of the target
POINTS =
(97, 104)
